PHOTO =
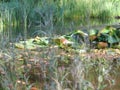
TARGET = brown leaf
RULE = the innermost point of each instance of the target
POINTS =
(93, 37)
(102, 45)
(34, 88)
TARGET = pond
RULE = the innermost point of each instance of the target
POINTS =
(17, 32)
(14, 34)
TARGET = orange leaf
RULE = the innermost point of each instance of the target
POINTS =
(34, 88)
(93, 37)
(102, 45)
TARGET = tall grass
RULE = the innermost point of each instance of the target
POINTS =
(50, 71)
(46, 15)
(52, 68)
(93, 8)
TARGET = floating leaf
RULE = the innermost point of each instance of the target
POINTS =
(103, 38)
(118, 33)
(112, 40)
(18, 45)
(27, 45)
(105, 31)
(102, 45)
(41, 41)
(93, 32)
(108, 29)
(80, 33)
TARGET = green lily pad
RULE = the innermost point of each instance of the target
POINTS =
(32, 43)
(107, 30)
(112, 40)
(80, 32)
(117, 32)
(93, 32)
(41, 41)
(25, 44)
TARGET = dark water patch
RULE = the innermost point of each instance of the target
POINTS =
(15, 34)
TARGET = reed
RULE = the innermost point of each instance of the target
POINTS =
(52, 68)
(93, 8)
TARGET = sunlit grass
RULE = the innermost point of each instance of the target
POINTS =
(93, 8)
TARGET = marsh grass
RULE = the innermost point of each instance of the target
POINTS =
(51, 15)
(51, 68)
(81, 9)
(47, 69)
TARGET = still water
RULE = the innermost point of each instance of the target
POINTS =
(61, 28)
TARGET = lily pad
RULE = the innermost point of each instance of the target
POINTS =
(25, 44)
(80, 33)
(41, 41)
(112, 40)
(107, 29)
(93, 32)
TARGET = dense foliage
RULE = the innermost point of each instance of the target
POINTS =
(35, 56)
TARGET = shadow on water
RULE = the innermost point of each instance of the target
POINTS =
(85, 25)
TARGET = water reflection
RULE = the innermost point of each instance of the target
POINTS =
(85, 24)
(58, 28)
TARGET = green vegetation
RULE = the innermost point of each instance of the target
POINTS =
(101, 9)
(36, 55)
(51, 14)
(108, 36)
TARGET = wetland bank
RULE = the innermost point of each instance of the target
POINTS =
(42, 45)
